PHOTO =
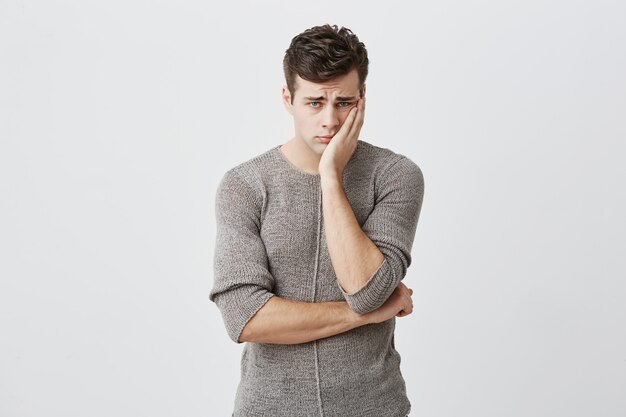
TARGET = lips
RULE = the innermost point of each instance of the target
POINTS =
(324, 139)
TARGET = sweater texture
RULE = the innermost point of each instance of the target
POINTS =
(270, 240)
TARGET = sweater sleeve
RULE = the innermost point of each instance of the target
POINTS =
(242, 282)
(391, 226)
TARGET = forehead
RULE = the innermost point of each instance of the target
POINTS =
(347, 84)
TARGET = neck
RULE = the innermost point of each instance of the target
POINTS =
(300, 155)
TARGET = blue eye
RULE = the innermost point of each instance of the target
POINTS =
(344, 103)
(313, 104)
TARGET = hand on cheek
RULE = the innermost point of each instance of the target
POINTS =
(342, 146)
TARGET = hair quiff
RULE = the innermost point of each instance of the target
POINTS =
(323, 53)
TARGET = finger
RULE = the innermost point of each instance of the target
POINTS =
(355, 130)
(349, 122)
(362, 106)
(407, 291)
(409, 304)
(358, 119)
(404, 312)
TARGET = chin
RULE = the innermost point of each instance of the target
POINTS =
(316, 146)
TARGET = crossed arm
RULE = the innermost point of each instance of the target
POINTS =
(355, 259)
(285, 321)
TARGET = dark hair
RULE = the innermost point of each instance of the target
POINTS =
(323, 53)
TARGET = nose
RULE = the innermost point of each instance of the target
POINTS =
(330, 117)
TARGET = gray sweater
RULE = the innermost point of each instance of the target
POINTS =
(270, 240)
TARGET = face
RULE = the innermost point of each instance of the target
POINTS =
(319, 109)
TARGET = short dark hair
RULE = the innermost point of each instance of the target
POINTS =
(323, 53)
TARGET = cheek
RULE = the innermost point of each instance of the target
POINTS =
(305, 122)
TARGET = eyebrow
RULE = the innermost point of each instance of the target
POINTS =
(321, 98)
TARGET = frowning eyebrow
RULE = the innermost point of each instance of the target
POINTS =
(321, 98)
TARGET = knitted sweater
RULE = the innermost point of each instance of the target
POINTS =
(270, 240)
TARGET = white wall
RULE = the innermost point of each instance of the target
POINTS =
(118, 118)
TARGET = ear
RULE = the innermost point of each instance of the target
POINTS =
(286, 96)
(362, 91)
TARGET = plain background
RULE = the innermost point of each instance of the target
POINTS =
(118, 119)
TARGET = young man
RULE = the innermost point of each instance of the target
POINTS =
(313, 239)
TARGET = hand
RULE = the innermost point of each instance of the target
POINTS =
(342, 146)
(398, 304)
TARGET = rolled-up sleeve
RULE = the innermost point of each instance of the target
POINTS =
(242, 282)
(391, 226)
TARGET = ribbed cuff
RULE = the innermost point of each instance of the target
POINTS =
(375, 291)
(238, 306)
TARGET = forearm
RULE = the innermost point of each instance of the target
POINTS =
(283, 321)
(355, 258)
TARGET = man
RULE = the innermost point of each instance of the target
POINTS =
(313, 239)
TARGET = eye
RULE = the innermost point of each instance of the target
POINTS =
(344, 104)
(314, 104)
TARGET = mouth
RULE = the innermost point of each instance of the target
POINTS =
(325, 139)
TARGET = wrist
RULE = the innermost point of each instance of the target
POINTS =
(355, 319)
(331, 177)
(331, 172)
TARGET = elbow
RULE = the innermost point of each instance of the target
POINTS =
(234, 334)
(246, 335)
(376, 291)
(242, 338)
(239, 334)
(238, 310)
(258, 328)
